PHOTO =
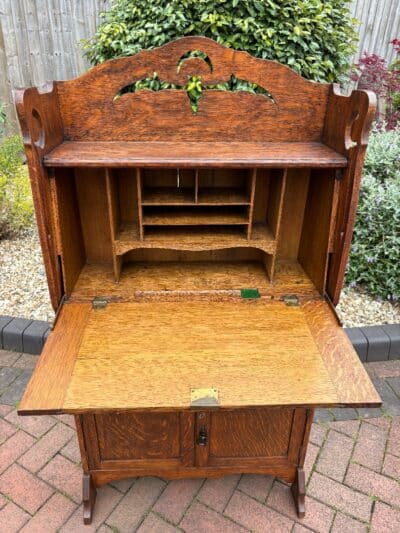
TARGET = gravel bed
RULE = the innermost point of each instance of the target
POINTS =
(23, 285)
(24, 293)
(357, 309)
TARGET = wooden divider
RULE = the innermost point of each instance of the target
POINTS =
(199, 210)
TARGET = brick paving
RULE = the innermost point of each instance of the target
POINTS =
(352, 470)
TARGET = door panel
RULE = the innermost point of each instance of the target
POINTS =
(250, 433)
(139, 436)
(249, 437)
(140, 439)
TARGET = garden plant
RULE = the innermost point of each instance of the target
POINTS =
(16, 208)
(315, 38)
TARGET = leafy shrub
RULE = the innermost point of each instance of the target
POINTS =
(314, 37)
(16, 209)
(375, 253)
(383, 155)
(372, 72)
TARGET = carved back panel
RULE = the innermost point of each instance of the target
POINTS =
(291, 108)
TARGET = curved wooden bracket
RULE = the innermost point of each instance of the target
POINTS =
(41, 125)
(348, 119)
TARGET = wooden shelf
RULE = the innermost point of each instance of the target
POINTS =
(194, 276)
(222, 196)
(190, 154)
(167, 196)
(210, 196)
(195, 217)
(200, 238)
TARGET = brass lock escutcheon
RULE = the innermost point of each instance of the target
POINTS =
(202, 439)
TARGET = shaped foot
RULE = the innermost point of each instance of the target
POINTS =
(299, 492)
(88, 498)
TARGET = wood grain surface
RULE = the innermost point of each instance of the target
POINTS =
(46, 389)
(250, 433)
(196, 239)
(190, 154)
(133, 356)
(254, 353)
(191, 280)
(347, 126)
(41, 127)
(168, 214)
(296, 114)
(340, 359)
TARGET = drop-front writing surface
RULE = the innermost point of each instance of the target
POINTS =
(149, 355)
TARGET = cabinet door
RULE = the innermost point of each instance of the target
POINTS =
(140, 440)
(251, 437)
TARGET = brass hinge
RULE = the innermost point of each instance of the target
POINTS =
(291, 300)
(339, 174)
(99, 302)
(58, 310)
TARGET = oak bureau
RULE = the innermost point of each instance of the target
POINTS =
(195, 248)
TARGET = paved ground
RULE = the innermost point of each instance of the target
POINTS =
(353, 476)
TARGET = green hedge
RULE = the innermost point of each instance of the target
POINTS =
(314, 37)
(16, 208)
(375, 254)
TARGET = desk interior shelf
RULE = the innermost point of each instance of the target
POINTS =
(199, 154)
(197, 210)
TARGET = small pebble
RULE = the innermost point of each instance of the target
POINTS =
(24, 292)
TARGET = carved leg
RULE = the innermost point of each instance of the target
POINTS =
(88, 497)
(299, 492)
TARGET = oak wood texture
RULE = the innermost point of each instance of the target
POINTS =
(197, 239)
(298, 489)
(88, 498)
(249, 433)
(94, 214)
(177, 280)
(194, 217)
(206, 197)
(301, 116)
(334, 345)
(170, 440)
(297, 113)
(50, 380)
(347, 125)
(296, 189)
(42, 131)
(168, 214)
(140, 440)
(70, 247)
(199, 154)
(236, 347)
(317, 223)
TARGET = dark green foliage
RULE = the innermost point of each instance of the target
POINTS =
(194, 88)
(314, 37)
(375, 254)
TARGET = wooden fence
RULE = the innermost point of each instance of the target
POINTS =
(39, 38)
